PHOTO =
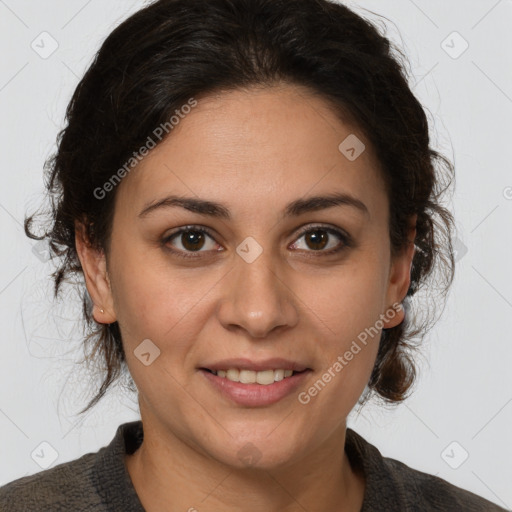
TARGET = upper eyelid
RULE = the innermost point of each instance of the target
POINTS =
(301, 231)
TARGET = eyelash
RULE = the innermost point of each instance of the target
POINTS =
(345, 239)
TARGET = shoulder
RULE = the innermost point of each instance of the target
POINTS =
(435, 493)
(392, 485)
(96, 481)
(68, 486)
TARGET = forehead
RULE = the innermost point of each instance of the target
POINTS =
(271, 144)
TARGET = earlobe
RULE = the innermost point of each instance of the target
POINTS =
(394, 316)
(96, 278)
(400, 278)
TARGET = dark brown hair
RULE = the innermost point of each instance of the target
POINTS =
(172, 50)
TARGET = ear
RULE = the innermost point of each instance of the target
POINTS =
(97, 281)
(400, 277)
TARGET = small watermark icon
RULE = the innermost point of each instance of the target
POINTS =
(249, 250)
(249, 454)
(147, 352)
(44, 455)
(507, 193)
(454, 45)
(459, 250)
(41, 250)
(45, 45)
(454, 455)
(352, 147)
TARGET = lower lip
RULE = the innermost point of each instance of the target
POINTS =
(254, 395)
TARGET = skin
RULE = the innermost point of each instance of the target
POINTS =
(254, 151)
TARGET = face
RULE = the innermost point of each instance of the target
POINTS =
(266, 274)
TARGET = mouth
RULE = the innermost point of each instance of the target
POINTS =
(250, 388)
(262, 377)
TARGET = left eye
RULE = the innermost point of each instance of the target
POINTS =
(192, 239)
(318, 238)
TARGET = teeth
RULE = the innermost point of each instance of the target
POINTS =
(247, 376)
(264, 377)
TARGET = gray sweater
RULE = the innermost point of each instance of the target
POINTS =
(100, 482)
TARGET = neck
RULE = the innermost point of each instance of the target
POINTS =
(169, 475)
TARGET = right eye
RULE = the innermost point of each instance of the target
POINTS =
(191, 238)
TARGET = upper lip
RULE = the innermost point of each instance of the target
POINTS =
(275, 363)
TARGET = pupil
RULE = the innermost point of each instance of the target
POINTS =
(192, 239)
(317, 239)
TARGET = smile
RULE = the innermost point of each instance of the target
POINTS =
(255, 388)
(265, 377)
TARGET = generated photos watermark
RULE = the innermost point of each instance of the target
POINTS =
(304, 397)
(159, 133)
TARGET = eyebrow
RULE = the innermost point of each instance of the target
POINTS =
(293, 209)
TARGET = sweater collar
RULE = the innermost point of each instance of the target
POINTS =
(383, 490)
(113, 481)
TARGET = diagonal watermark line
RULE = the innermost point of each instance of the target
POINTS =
(12, 12)
(216, 487)
(492, 81)
(277, 222)
(193, 398)
(76, 14)
(486, 14)
(310, 189)
(286, 491)
(272, 227)
(502, 296)
(81, 420)
(27, 343)
(281, 422)
(424, 13)
(302, 301)
(211, 288)
(14, 76)
(506, 505)
(70, 69)
(481, 222)
(14, 424)
(501, 409)
(197, 401)
(177, 177)
(425, 75)
(421, 421)
(318, 112)
(11, 215)
(12, 280)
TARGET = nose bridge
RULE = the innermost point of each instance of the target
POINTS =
(258, 301)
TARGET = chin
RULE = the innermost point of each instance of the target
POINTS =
(256, 454)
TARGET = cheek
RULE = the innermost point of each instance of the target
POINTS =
(348, 300)
(150, 294)
(347, 311)
(167, 306)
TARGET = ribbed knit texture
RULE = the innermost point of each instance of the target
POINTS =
(100, 482)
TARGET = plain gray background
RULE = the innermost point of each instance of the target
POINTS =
(462, 406)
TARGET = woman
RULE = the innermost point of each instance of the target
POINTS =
(248, 189)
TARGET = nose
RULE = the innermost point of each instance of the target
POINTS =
(257, 298)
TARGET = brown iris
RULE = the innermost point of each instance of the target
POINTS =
(192, 240)
(317, 238)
